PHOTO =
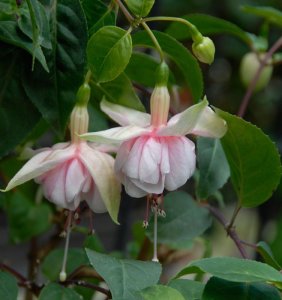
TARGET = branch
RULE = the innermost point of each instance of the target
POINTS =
(88, 285)
(230, 230)
(251, 87)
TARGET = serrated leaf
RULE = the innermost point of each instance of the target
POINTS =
(180, 55)
(123, 276)
(191, 290)
(26, 219)
(266, 253)
(140, 8)
(119, 91)
(213, 167)
(8, 286)
(269, 13)
(108, 53)
(207, 25)
(55, 291)
(184, 220)
(253, 159)
(220, 289)
(157, 292)
(54, 93)
(52, 264)
(234, 269)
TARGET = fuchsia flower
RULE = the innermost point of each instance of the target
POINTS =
(75, 171)
(155, 153)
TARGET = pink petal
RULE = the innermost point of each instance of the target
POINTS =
(125, 116)
(122, 154)
(182, 161)
(95, 201)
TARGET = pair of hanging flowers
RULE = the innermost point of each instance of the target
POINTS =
(153, 153)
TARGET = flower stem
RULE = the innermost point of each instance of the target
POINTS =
(63, 274)
(155, 256)
(195, 33)
(154, 40)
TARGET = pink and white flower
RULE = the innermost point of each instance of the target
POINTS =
(75, 171)
(155, 153)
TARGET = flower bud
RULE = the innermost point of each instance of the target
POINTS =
(204, 50)
(249, 67)
(83, 94)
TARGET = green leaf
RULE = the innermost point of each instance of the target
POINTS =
(146, 66)
(17, 118)
(97, 120)
(265, 251)
(253, 159)
(184, 220)
(213, 167)
(234, 269)
(119, 91)
(98, 14)
(55, 291)
(123, 276)
(54, 93)
(220, 289)
(108, 53)
(269, 13)
(191, 290)
(161, 292)
(180, 55)
(10, 34)
(26, 219)
(207, 25)
(8, 286)
(52, 264)
(140, 8)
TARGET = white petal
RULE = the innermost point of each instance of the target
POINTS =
(101, 168)
(164, 166)
(95, 201)
(125, 116)
(75, 180)
(155, 188)
(182, 161)
(115, 135)
(183, 123)
(104, 148)
(122, 154)
(132, 190)
(39, 164)
(210, 125)
(149, 166)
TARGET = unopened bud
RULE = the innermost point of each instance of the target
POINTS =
(83, 94)
(204, 50)
(249, 67)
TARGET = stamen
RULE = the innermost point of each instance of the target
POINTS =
(63, 274)
(146, 222)
(91, 226)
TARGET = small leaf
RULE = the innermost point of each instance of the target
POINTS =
(180, 55)
(220, 289)
(157, 292)
(271, 14)
(123, 276)
(26, 219)
(265, 251)
(55, 291)
(8, 287)
(108, 53)
(253, 160)
(52, 263)
(234, 269)
(191, 290)
(207, 25)
(119, 91)
(184, 221)
(140, 8)
(213, 167)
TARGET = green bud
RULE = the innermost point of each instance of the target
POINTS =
(83, 94)
(162, 73)
(204, 50)
(248, 69)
